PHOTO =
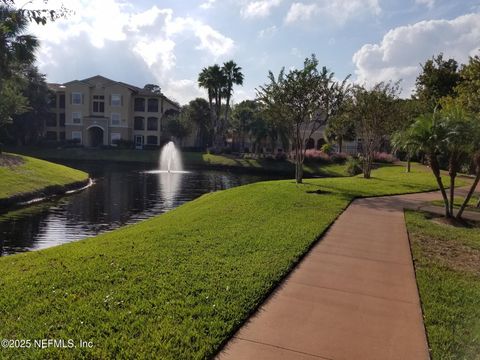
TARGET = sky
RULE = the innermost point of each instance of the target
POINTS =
(169, 42)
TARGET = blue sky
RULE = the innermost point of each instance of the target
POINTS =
(169, 42)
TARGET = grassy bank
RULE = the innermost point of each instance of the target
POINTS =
(448, 276)
(176, 286)
(30, 175)
(190, 159)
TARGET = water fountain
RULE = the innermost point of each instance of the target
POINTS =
(170, 172)
(170, 159)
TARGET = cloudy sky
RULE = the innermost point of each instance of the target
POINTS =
(168, 42)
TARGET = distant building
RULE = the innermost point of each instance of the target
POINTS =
(98, 111)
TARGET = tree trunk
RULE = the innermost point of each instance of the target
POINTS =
(367, 166)
(436, 171)
(469, 195)
(452, 192)
(340, 144)
(409, 165)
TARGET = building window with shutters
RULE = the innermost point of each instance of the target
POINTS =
(61, 99)
(76, 98)
(116, 100)
(76, 118)
(115, 119)
(152, 140)
(98, 103)
(62, 119)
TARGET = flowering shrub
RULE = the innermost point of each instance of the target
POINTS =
(312, 155)
(384, 157)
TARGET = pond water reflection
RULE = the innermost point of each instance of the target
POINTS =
(122, 194)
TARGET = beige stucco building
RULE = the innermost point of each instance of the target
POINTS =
(98, 111)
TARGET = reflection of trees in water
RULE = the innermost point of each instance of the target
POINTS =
(122, 194)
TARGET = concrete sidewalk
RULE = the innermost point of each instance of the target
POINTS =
(354, 296)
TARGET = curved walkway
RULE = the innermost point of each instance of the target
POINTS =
(354, 296)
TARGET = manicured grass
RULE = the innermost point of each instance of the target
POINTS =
(176, 286)
(190, 159)
(448, 277)
(35, 174)
(458, 201)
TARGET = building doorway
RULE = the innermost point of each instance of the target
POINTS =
(95, 136)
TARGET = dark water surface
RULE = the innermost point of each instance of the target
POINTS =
(122, 194)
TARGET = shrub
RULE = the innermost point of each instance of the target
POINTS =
(312, 155)
(383, 157)
(354, 166)
(339, 158)
(327, 148)
(281, 156)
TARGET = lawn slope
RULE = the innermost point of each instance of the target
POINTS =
(32, 175)
(448, 275)
(176, 286)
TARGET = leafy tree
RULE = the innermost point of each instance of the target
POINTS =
(438, 79)
(176, 124)
(341, 126)
(198, 112)
(244, 115)
(39, 16)
(468, 89)
(375, 115)
(153, 88)
(12, 102)
(304, 99)
(27, 127)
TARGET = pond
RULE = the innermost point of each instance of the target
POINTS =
(122, 194)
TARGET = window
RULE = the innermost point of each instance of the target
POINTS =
(61, 99)
(62, 135)
(77, 135)
(152, 123)
(139, 123)
(76, 118)
(152, 105)
(115, 119)
(114, 137)
(139, 104)
(76, 98)
(51, 135)
(98, 103)
(51, 119)
(62, 119)
(116, 100)
(152, 140)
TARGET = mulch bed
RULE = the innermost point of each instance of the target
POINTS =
(8, 160)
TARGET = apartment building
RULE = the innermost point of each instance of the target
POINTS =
(98, 111)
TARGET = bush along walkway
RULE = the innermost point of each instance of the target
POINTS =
(354, 296)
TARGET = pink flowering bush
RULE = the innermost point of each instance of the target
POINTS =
(383, 157)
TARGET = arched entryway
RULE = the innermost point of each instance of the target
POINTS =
(95, 136)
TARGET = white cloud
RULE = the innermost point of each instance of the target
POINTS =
(267, 32)
(108, 35)
(427, 3)
(259, 8)
(402, 49)
(207, 4)
(337, 10)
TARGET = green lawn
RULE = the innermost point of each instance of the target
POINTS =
(458, 201)
(178, 285)
(448, 276)
(35, 174)
(190, 159)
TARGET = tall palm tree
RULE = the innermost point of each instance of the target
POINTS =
(213, 79)
(233, 76)
(16, 48)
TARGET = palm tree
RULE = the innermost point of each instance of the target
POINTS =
(16, 48)
(426, 136)
(233, 76)
(213, 79)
